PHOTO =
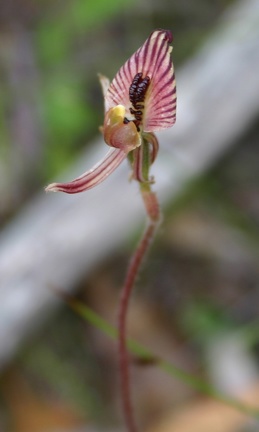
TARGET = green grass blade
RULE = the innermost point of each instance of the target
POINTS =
(146, 355)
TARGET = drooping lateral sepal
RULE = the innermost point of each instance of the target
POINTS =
(140, 162)
(154, 145)
(92, 177)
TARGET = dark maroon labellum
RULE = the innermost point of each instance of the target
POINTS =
(138, 89)
(137, 93)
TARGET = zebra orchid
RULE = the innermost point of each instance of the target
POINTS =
(140, 100)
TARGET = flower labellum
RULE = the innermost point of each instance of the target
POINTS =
(140, 100)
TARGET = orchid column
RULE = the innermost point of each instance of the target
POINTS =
(140, 100)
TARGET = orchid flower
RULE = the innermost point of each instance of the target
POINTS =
(140, 100)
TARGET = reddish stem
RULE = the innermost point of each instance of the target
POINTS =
(128, 286)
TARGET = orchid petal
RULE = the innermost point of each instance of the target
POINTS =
(92, 177)
(153, 61)
(105, 83)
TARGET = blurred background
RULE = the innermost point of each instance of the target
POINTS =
(196, 302)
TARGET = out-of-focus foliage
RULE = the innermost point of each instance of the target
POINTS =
(57, 34)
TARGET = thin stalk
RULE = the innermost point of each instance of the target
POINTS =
(128, 286)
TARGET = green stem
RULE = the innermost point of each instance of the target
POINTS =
(128, 286)
(127, 289)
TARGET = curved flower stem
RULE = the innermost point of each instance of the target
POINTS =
(152, 208)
